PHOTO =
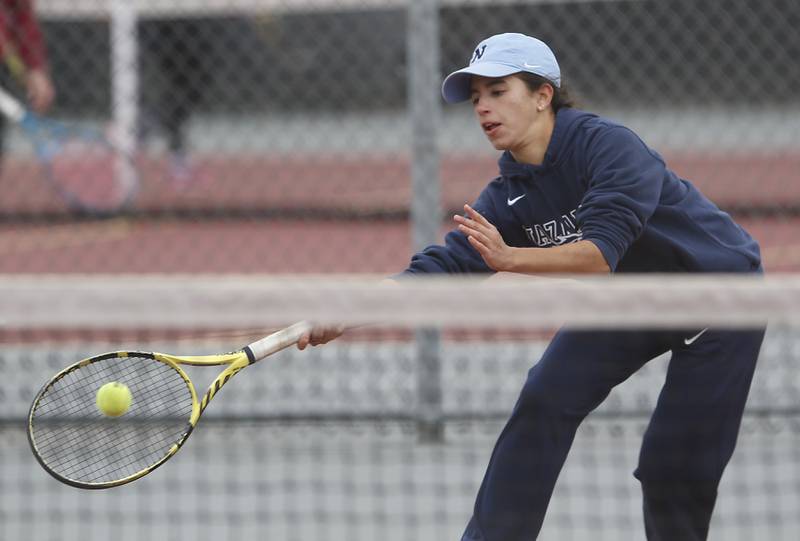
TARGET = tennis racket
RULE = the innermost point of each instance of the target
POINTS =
(89, 173)
(82, 447)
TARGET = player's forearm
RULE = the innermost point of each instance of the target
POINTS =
(578, 257)
(30, 42)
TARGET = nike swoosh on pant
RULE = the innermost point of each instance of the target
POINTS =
(690, 341)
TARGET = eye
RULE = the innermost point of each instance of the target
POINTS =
(497, 93)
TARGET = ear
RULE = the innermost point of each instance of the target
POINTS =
(544, 96)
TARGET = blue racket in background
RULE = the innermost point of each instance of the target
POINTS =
(88, 172)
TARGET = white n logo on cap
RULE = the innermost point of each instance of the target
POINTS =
(478, 53)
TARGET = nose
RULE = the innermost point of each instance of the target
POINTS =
(480, 106)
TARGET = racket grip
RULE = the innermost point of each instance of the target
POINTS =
(10, 107)
(277, 341)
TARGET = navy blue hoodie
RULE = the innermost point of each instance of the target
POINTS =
(600, 182)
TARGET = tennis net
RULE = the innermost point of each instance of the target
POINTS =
(385, 432)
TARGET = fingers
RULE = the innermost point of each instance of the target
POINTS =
(320, 335)
(474, 220)
(303, 341)
(481, 247)
(40, 91)
(473, 228)
(483, 237)
(474, 234)
(477, 216)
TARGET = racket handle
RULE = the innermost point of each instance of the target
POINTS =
(10, 107)
(277, 341)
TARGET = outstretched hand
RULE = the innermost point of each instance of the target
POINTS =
(320, 334)
(485, 238)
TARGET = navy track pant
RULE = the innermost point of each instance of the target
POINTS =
(688, 442)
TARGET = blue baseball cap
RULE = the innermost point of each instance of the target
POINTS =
(501, 55)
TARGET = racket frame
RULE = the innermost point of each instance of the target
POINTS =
(42, 131)
(235, 362)
(81, 364)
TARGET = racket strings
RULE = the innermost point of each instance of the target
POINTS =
(76, 441)
(130, 447)
(88, 171)
(119, 449)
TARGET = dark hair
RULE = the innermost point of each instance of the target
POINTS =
(561, 97)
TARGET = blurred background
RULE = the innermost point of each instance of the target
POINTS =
(308, 137)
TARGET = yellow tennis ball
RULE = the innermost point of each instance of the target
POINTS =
(114, 399)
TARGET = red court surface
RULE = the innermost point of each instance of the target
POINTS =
(323, 187)
(380, 183)
(261, 246)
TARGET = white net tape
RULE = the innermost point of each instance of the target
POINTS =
(658, 301)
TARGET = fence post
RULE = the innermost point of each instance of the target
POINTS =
(424, 104)
(123, 21)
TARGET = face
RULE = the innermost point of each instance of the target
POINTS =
(508, 112)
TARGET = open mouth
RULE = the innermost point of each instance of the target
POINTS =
(490, 128)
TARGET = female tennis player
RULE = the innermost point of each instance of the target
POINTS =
(578, 193)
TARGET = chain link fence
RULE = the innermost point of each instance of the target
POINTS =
(291, 120)
(308, 136)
